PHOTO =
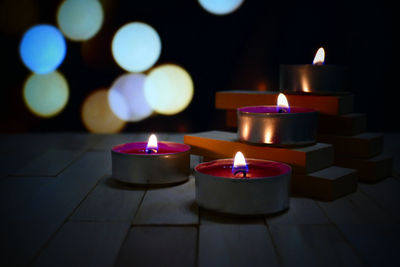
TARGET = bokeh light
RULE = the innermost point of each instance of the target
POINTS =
(220, 7)
(168, 89)
(97, 116)
(46, 94)
(136, 47)
(126, 97)
(42, 48)
(80, 20)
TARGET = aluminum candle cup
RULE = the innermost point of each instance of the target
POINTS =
(267, 125)
(132, 164)
(264, 190)
(315, 79)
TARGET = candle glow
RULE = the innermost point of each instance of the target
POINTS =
(239, 164)
(319, 57)
(152, 145)
(282, 104)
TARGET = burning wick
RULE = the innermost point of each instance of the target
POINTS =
(240, 165)
(152, 145)
(282, 104)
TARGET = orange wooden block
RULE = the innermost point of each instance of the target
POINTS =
(363, 145)
(369, 170)
(219, 144)
(327, 184)
(326, 104)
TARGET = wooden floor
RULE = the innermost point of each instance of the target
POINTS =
(60, 207)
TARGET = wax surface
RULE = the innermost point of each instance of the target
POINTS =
(139, 148)
(256, 168)
(274, 109)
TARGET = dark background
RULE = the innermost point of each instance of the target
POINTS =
(239, 51)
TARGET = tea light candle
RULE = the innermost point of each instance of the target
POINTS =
(243, 188)
(279, 125)
(315, 78)
(151, 162)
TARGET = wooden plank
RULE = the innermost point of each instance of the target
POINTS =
(29, 228)
(326, 104)
(378, 245)
(169, 205)
(301, 211)
(326, 184)
(236, 245)
(84, 244)
(219, 144)
(363, 145)
(312, 245)
(50, 163)
(12, 161)
(386, 194)
(355, 208)
(110, 201)
(159, 246)
(348, 124)
(214, 218)
(369, 170)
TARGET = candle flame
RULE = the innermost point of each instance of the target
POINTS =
(152, 145)
(239, 160)
(282, 103)
(319, 57)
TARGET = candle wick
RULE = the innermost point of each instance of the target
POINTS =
(241, 171)
(151, 150)
(282, 110)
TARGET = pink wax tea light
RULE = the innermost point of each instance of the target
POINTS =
(315, 78)
(152, 162)
(243, 187)
(279, 125)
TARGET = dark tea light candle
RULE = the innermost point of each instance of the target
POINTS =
(151, 162)
(279, 125)
(243, 187)
(316, 78)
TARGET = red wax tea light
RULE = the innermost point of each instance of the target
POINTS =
(243, 187)
(279, 125)
(151, 162)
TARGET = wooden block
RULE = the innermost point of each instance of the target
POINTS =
(231, 118)
(326, 104)
(377, 244)
(349, 124)
(301, 211)
(369, 170)
(355, 208)
(84, 244)
(159, 246)
(220, 144)
(313, 245)
(327, 184)
(236, 245)
(169, 205)
(363, 145)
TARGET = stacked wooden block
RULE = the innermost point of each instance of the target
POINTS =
(337, 125)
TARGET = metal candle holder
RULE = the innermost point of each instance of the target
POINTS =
(314, 79)
(152, 168)
(243, 196)
(295, 128)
